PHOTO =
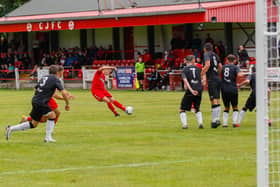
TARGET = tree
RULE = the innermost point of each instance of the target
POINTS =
(10, 5)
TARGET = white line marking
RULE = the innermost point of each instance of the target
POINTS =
(132, 165)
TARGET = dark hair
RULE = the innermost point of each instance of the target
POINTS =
(208, 47)
(189, 58)
(60, 68)
(53, 69)
(254, 69)
(231, 58)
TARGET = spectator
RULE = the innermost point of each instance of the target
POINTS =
(10, 59)
(44, 60)
(11, 70)
(196, 43)
(3, 45)
(154, 80)
(34, 72)
(165, 80)
(101, 53)
(2, 71)
(147, 58)
(26, 61)
(4, 58)
(209, 39)
(69, 60)
(62, 59)
(171, 60)
(243, 57)
(81, 59)
(109, 53)
(222, 50)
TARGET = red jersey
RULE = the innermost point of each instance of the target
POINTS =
(98, 82)
(199, 65)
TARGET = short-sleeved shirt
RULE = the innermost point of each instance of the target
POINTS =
(212, 73)
(252, 79)
(98, 82)
(229, 74)
(45, 89)
(192, 74)
(140, 67)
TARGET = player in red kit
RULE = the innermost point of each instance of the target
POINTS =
(99, 91)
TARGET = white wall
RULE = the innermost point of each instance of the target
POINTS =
(216, 31)
(103, 37)
(239, 37)
(69, 39)
(89, 38)
(140, 38)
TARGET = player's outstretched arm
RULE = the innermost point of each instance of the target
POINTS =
(107, 67)
(240, 74)
(66, 99)
(247, 81)
(59, 97)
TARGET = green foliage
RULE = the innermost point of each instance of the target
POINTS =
(10, 5)
(148, 148)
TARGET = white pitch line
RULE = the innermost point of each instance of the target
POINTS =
(131, 165)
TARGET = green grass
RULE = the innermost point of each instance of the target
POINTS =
(146, 149)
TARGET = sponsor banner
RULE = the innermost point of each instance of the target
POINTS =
(50, 25)
(125, 77)
(88, 74)
(273, 74)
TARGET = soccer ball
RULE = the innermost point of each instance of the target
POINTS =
(129, 110)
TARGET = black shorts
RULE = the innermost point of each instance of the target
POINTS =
(188, 100)
(251, 101)
(38, 111)
(140, 76)
(214, 89)
(230, 99)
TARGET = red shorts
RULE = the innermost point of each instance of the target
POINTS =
(100, 94)
(52, 104)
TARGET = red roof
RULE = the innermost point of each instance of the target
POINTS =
(228, 11)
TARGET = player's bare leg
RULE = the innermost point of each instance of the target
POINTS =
(57, 113)
(20, 127)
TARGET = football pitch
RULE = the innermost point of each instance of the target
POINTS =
(148, 148)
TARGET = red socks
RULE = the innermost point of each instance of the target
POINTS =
(111, 107)
(119, 105)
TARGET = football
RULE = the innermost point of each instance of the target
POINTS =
(129, 110)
